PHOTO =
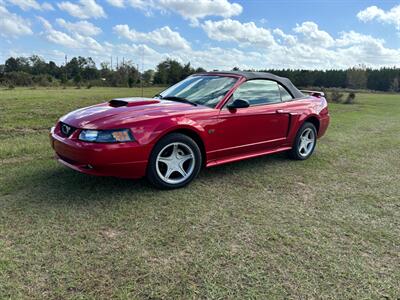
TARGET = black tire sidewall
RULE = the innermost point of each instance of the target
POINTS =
(152, 174)
(295, 153)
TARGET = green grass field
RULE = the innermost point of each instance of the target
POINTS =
(269, 227)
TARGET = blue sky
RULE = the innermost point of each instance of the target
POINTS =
(215, 34)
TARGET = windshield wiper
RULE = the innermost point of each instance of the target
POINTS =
(178, 99)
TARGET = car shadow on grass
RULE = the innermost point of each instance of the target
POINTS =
(56, 184)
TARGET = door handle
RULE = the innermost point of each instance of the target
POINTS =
(282, 111)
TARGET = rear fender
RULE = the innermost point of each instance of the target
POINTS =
(297, 121)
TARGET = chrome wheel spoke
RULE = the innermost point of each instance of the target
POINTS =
(302, 148)
(165, 160)
(175, 150)
(181, 170)
(185, 158)
(169, 173)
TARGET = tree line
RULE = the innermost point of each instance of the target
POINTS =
(34, 71)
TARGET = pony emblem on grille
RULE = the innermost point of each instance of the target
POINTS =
(65, 129)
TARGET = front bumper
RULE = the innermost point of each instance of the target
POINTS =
(125, 160)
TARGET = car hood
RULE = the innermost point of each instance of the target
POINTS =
(121, 111)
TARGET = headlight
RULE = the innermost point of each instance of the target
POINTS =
(106, 136)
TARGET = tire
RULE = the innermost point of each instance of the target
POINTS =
(174, 162)
(305, 142)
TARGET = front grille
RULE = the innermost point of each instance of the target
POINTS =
(66, 130)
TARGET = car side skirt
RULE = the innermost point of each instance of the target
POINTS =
(245, 156)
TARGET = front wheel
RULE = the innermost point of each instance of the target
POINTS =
(174, 162)
(305, 142)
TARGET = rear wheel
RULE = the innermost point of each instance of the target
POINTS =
(174, 162)
(305, 142)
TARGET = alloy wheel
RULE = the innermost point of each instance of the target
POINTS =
(175, 163)
(306, 142)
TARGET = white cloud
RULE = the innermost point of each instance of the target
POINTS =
(263, 21)
(25, 4)
(211, 58)
(349, 50)
(308, 47)
(354, 38)
(84, 28)
(47, 6)
(136, 52)
(284, 38)
(356, 48)
(142, 4)
(371, 13)
(58, 37)
(73, 41)
(288, 51)
(90, 43)
(163, 37)
(222, 59)
(242, 33)
(312, 35)
(13, 25)
(86, 9)
(198, 9)
(31, 4)
(192, 10)
(116, 3)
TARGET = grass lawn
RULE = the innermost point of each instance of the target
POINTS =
(269, 227)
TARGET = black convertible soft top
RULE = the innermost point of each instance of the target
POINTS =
(285, 82)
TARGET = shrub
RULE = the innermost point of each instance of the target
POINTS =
(131, 81)
(350, 98)
(78, 80)
(11, 87)
(42, 80)
(96, 82)
(336, 97)
(18, 79)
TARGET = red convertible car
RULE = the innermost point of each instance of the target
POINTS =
(207, 119)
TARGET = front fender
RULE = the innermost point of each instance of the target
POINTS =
(179, 124)
(150, 132)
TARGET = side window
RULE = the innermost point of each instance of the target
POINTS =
(258, 92)
(285, 96)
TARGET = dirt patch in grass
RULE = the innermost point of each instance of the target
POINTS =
(110, 233)
(16, 160)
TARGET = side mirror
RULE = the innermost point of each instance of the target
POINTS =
(238, 103)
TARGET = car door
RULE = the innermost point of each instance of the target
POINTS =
(261, 126)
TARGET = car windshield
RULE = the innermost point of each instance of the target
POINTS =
(203, 90)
